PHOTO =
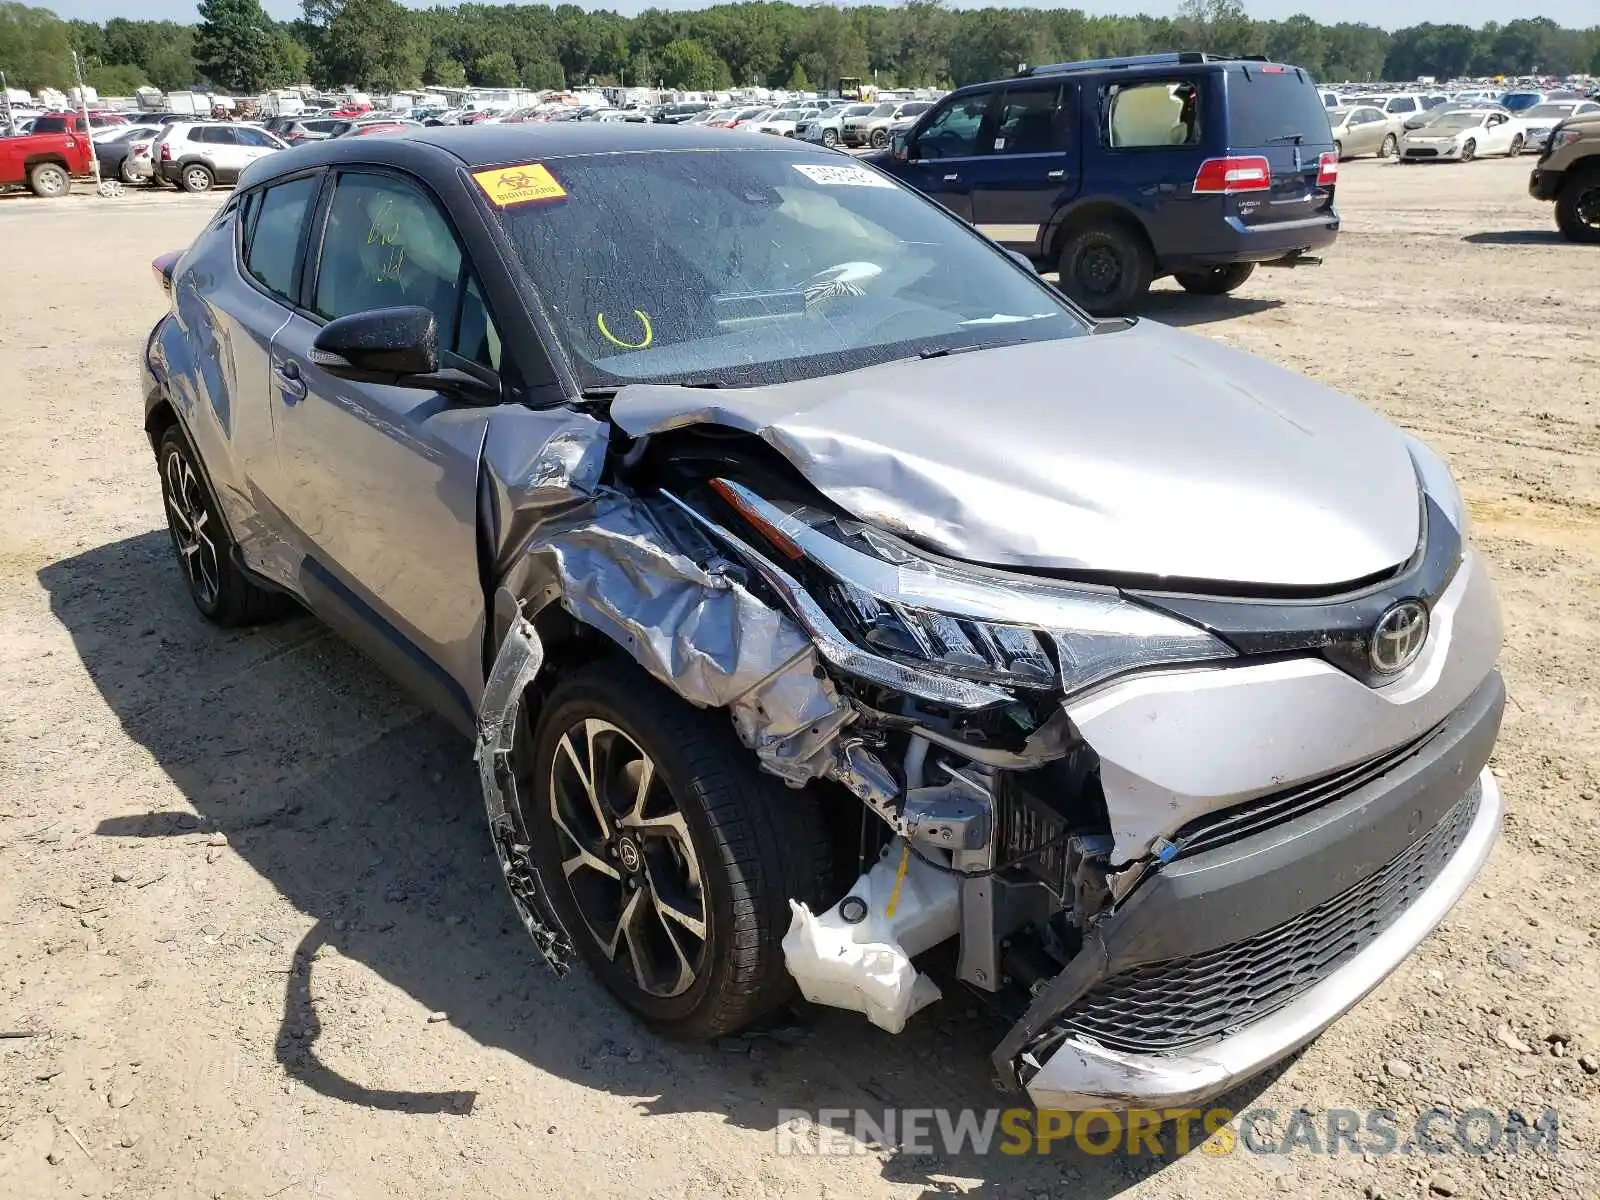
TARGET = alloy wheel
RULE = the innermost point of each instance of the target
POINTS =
(627, 858)
(191, 529)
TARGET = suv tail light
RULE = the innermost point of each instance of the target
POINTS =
(1328, 170)
(1225, 176)
(166, 151)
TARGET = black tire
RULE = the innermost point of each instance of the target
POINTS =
(830, 138)
(1469, 150)
(1517, 143)
(49, 180)
(757, 845)
(1338, 150)
(1216, 281)
(1106, 267)
(125, 171)
(1578, 207)
(880, 138)
(1390, 147)
(222, 592)
(196, 177)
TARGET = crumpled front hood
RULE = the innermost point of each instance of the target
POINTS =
(1149, 452)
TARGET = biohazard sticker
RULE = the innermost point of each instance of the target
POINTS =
(842, 176)
(506, 186)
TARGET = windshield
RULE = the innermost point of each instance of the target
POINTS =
(788, 114)
(1456, 120)
(883, 110)
(1550, 110)
(761, 266)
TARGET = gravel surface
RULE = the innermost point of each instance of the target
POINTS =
(252, 927)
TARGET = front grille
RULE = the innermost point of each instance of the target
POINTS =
(1242, 820)
(1182, 1002)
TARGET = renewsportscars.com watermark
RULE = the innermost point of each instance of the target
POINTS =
(1162, 1132)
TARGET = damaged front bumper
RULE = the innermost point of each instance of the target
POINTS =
(1197, 982)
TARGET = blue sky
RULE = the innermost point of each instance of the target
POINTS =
(1372, 12)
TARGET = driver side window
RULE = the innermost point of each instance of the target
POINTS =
(953, 130)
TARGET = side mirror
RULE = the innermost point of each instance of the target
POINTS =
(900, 145)
(379, 346)
(1022, 260)
(399, 347)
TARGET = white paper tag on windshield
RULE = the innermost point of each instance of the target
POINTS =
(841, 176)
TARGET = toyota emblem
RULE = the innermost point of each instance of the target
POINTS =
(1398, 637)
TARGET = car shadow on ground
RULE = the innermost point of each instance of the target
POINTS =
(364, 813)
(1517, 237)
(1181, 309)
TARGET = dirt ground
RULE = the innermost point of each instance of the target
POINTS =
(249, 916)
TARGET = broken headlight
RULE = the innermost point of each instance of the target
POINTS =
(970, 622)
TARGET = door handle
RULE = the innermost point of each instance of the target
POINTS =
(290, 382)
(1055, 175)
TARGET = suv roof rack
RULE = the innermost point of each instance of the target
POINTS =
(1171, 58)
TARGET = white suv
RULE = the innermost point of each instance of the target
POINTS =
(194, 155)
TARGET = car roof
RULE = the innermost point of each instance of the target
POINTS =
(475, 146)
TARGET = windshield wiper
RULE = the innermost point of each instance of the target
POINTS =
(945, 351)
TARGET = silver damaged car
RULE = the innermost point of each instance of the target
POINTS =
(818, 587)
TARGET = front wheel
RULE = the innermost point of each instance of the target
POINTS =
(1215, 281)
(880, 138)
(1578, 208)
(669, 857)
(1469, 150)
(1390, 147)
(1106, 268)
(49, 180)
(830, 138)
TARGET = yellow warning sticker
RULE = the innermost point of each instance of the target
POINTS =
(506, 186)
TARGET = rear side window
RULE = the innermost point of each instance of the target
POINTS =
(1269, 108)
(953, 130)
(273, 220)
(1157, 112)
(48, 124)
(1031, 121)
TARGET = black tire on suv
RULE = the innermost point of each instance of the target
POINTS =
(669, 856)
(1578, 205)
(1106, 267)
(1216, 280)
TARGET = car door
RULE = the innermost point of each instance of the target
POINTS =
(379, 484)
(944, 147)
(1368, 128)
(254, 144)
(1497, 134)
(223, 151)
(1030, 165)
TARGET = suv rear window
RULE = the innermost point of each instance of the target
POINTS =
(1270, 107)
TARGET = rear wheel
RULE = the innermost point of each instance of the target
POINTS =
(1106, 267)
(668, 855)
(1216, 280)
(196, 177)
(219, 588)
(127, 172)
(1578, 207)
(1390, 147)
(49, 180)
(1338, 150)
(1516, 145)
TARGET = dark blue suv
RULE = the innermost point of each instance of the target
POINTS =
(1119, 171)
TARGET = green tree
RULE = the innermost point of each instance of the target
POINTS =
(495, 70)
(1219, 26)
(689, 66)
(444, 70)
(115, 80)
(233, 46)
(368, 44)
(35, 49)
(799, 81)
(543, 74)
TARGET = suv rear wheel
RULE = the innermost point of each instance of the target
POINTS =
(196, 177)
(669, 857)
(1215, 280)
(1106, 267)
(1578, 206)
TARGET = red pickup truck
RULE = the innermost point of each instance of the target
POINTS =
(46, 162)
